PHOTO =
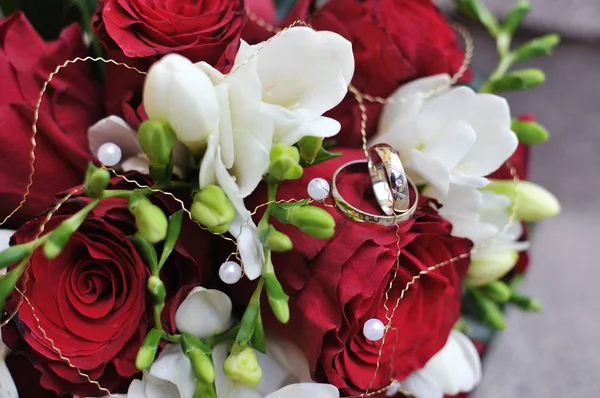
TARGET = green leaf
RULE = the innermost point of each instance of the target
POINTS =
(476, 9)
(147, 251)
(258, 337)
(535, 48)
(515, 16)
(281, 211)
(530, 132)
(322, 156)
(173, 232)
(248, 323)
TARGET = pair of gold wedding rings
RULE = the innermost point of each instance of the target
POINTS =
(390, 186)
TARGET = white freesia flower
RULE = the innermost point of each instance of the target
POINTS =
(454, 137)
(303, 73)
(7, 385)
(204, 313)
(177, 92)
(454, 369)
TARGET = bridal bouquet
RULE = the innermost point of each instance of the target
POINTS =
(219, 198)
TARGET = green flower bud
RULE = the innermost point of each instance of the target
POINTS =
(285, 163)
(157, 288)
(202, 365)
(147, 351)
(313, 221)
(157, 140)
(203, 390)
(243, 366)
(515, 16)
(530, 132)
(96, 182)
(490, 266)
(531, 201)
(57, 240)
(536, 47)
(276, 241)
(309, 148)
(477, 10)
(13, 254)
(150, 221)
(213, 209)
(278, 299)
(497, 291)
(517, 80)
(524, 302)
(490, 311)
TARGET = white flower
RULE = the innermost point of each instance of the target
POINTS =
(304, 73)
(455, 368)
(285, 374)
(204, 313)
(177, 92)
(7, 385)
(457, 136)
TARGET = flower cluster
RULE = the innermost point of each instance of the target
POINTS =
(171, 228)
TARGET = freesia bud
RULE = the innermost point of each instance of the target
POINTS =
(497, 291)
(213, 209)
(13, 254)
(276, 241)
(96, 181)
(313, 221)
(157, 288)
(157, 140)
(309, 148)
(515, 16)
(524, 302)
(285, 163)
(203, 367)
(203, 390)
(278, 299)
(492, 314)
(490, 266)
(536, 47)
(150, 221)
(243, 367)
(183, 95)
(531, 201)
(529, 132)
(58, 240)
(148, 349)
(517, 80)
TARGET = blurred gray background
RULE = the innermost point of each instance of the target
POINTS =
(556, 353)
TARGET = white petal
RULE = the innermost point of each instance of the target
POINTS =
(251, 249)
(227, 388)
(342, 51)
(204, 313)
(303, 390)
(215, 76)
(431, 170)
(137, 389)
(456, 367)
(116, 130)
(294, 130)
(138, 163)
(207, 167)
(5, 235)
(451, 144)
(174, 367)
(9, 390)
(419, 386)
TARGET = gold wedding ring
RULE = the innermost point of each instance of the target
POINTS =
(360, 216)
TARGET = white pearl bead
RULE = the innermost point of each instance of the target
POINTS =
(109, 154)
(318, 188)
(230, 272)
(373, 329)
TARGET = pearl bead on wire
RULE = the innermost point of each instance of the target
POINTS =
(109, 154)
(318, 189)
(373, 329)
(230, 272)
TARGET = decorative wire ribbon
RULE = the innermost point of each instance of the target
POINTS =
(360, 97)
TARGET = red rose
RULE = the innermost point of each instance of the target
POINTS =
(336, 285)
(70, 105)
(394, 41)
(139, 32)
(92, 300)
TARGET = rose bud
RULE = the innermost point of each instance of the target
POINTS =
(203, 367)
(181, 94)
(531, 201)
(313, 221)
(147, 351)
(285, 163)
(490, 266)
(243, 366)
(213, 209)
(150, 220)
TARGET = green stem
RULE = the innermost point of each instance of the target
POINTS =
(173, 338)
(124, 193)
(225, 336)
(157, 312)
